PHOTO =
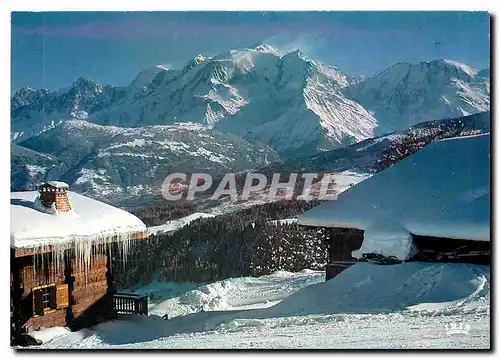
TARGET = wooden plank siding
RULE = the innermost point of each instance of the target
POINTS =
(340, 243)
(85, 290)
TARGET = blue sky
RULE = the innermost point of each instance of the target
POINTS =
(53, 49)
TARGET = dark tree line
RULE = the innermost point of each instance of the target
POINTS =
(161, 212)
(418, 137)
(249, 242)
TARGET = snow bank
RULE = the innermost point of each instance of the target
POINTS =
(238, 293)
(372, 288)
(158, 292)
(443, 190)
(89, 220)
(366, 306)
(362, 288)
(46, 335)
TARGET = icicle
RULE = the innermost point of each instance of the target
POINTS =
(49, 262)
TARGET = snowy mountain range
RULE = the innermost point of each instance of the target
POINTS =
(239, 110)
(291, 103)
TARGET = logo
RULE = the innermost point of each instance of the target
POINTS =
(457, 329)
(252, 185)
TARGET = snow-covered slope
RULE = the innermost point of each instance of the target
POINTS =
(443, 190)
(28, 167)
(367, 306)
(115, 163)
(406, 94)
(175, 224)
(366, 156)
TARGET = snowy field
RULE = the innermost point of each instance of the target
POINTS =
(367, 306)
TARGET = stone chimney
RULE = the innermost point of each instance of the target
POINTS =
(55, 192)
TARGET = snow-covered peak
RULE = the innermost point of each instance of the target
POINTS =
(195, 61)
(83, 86)
(406, 94)
(266, 48)
(296, 54)
(146, 76)
(333, 73)
(162, 67)
(24, 91)
(26, 96)
(391, 76)
(462, 67)
(259, 89)
(198, 59)
(295, 60)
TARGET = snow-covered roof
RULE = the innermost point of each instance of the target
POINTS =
(443, 190)
(88, 220)
(58, 184)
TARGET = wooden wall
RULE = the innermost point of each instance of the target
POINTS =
(85, 288)
(340, 243)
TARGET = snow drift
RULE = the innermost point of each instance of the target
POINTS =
(370, 288)
(366, 306)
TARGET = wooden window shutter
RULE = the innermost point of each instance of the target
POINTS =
(62, 296)
(38, 302)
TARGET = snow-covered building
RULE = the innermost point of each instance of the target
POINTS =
(434, 201)
(62, 245)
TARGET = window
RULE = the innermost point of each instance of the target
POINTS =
(50, 297)
(47, 298)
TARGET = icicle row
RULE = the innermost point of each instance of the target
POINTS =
(84, 252)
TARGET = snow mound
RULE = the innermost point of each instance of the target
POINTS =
(371, 288)
(238, 293)
(46, 335)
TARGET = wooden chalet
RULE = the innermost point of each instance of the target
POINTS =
(62, 246)
(431, 206)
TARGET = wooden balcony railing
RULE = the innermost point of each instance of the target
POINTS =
(125, 303)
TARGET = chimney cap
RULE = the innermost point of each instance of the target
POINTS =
(55, 184)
